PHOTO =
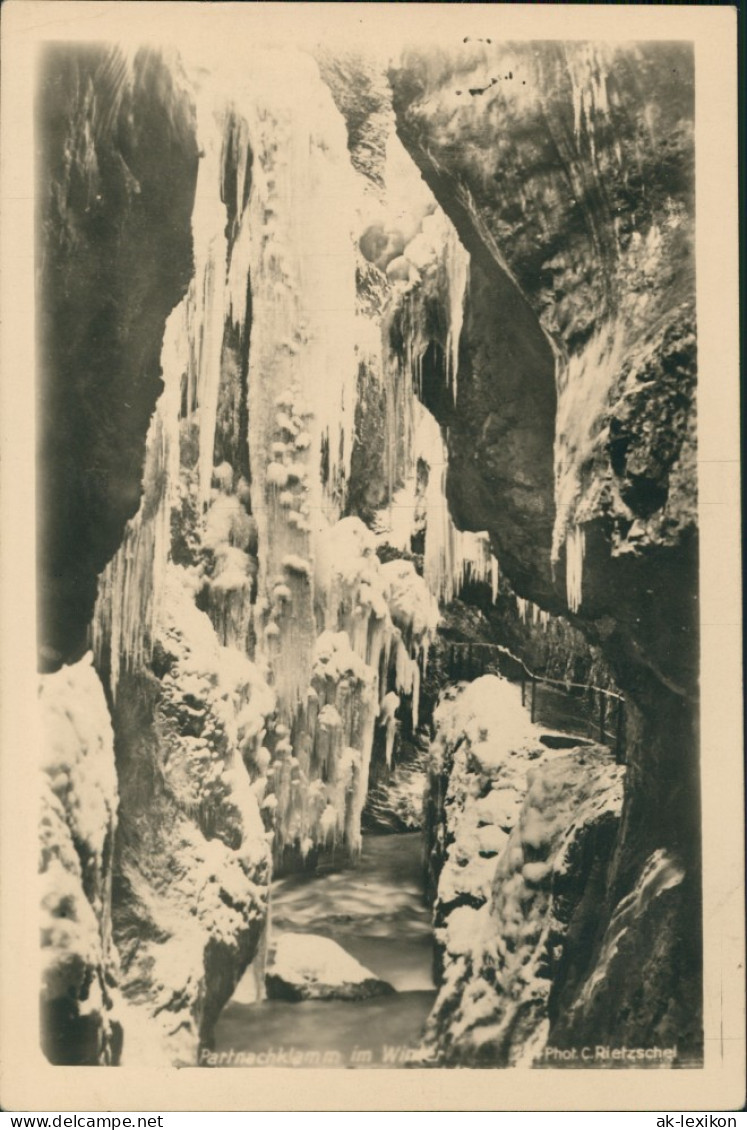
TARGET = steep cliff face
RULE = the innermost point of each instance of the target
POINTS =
(192, 859)
(117, 166)
(568, 172)
(570, 180)
(521, 841)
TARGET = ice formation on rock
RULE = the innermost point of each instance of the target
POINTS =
(377, 623)
(452, 556)
(587, 69)
(299, 223)
(584, 385)
(131, 586)
(278, 570)
(531, 613)
(193, 853)
(661, 872)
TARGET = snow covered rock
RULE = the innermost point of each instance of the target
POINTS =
(310, 967)
(573, 436)
(484, 747)
(520, 838)
(79, 811)
(193, 861)
(522, 877)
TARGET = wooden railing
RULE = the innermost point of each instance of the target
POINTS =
(606, 708)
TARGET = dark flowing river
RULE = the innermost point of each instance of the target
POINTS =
(374, 911)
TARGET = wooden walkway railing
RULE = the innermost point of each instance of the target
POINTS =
(606, 708)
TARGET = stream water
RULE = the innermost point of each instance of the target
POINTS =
(375, 912)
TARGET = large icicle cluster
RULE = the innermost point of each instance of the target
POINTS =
(432, 273)
(531, 613)
(377, 623)
(342, 638)
(131, 586)
(428, 271)
(452, 557)
(297, 235)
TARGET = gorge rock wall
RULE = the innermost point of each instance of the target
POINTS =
(293, 397)
(117, 166)
(249, 640)
(520, 844)
(568, 172)
(192, 859)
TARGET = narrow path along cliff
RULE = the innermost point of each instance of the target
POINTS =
(368, 554)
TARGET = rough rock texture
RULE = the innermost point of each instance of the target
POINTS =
(192, 861)
(483, 749)
(559, 165)
(306, 967)
(118, 165)
(79, 1019)
(568, 172)
(361, 95)
(509, 935)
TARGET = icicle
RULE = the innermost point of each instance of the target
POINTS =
(389, 707)
(456, 265)
(131, 586)
(575, 548)
(587, 71)
(402, 381)
(207, 307)
(584, 385)
(415, 694)
(494, 578)
(296, 244)
(452, 557)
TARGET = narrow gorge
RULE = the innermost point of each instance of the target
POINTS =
(368, 555)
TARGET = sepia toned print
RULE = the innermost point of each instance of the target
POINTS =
(368, 567)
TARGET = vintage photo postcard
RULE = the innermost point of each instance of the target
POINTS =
(371, 624)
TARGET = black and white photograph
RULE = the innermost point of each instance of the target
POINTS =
(370, 476)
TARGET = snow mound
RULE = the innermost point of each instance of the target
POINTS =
(310, 967)
(413, 607)
(488, 713)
